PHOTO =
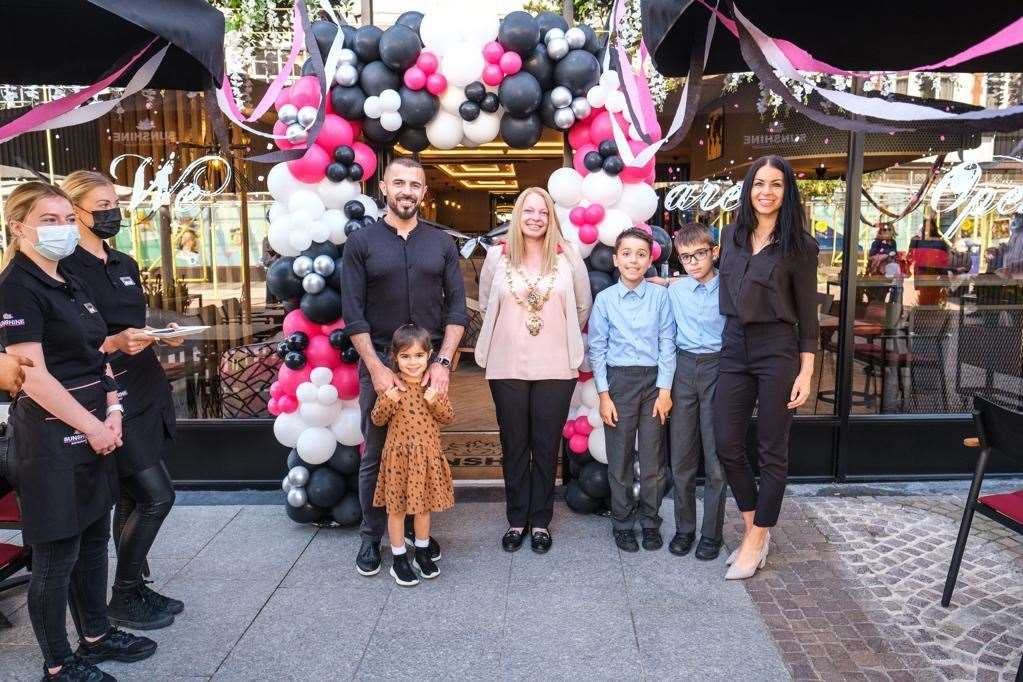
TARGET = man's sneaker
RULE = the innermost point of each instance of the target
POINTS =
(131, 609)
(652, 539)
(161, 602)
(368, 561)
(74, 669)
(402, 571)
(410, 540)
(424, 564)
(116, 645)
(626, 540)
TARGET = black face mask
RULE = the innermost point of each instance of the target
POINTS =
(106, 223)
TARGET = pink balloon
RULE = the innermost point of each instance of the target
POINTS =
(272, 408)
(305, 92)
(569, 429)
(321, 354)
(365, 157)
(594, 214)
(427, 62)
(312, 167)
(356, 128)
(296, 321)
(578, 444)
(583, 426)
(646, 228)
(579, 135)
(290, 379)
(275, 390)
(436, 84)
(493, 52)
(492, 74)
(279, 129)
(578, 216)
(335, 132)
(328, 106)
(346, 381)
(283, 98)
(633, 174)
(328, 328)
(588, 234)
(600, 128)
(287, 403)
(415, 78)
(579, 155)
(511, 63)
(655, 251)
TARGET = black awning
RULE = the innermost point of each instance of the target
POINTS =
(862, 35)
(75, 42)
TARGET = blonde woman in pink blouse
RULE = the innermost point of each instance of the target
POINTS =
(535, 295)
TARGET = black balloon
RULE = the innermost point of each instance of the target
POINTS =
(349, 32)
(601, 258)
(376, 77)
(348, 102)
(519, 32)
(367, 44)
(325, 488)
(374, 132)
(282, 349)
(307, 513)
(334, 280)
(355, 209)
(521, 133)
(324, 32)
(547, 110)
(322, 308)
(344, 155)
(662, 238)
(469, 111)
(412, 19)
(578, 501)
(294, 359)
(593, 161)
(599, 281)
(281, 279)
(321, 249)
(355, 172)
(298, 341)
(578, 71)
(308, 68)
(475, 92)
(337, 172)
(540, 66)
(399, 47)
(292, 304)
(345, 460)
(352, 226)
(592, 43)
(418, 107)
(593, 480)
(337, 338)
(651, 272)
(348, 511)
(490, 103)
(350, 355)
(607, 148)
(520, 94)
(413, 139)
(548, 20)
(294, 460)
(613, 165)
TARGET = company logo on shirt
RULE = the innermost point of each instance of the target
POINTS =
(75, 438)
(90, 307)
(127, 281)
(11, 321)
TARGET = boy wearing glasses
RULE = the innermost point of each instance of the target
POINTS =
(698, 327)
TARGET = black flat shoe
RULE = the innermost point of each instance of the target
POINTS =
(652, 539)
(682, 543)
(540, 541)
(708, 549)
(626, 540)
(512, 540)
(116, 645)
(367, 563)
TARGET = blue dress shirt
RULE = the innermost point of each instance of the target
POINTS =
(698, 319)
(632, 328)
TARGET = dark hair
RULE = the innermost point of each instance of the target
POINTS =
(408, 335)
(790, 230)
(634, 233)
(406, 161)
(694, 233)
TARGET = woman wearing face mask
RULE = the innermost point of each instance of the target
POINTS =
(67, 422)
(146, 492)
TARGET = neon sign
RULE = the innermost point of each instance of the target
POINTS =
(185, 190)
(970, 198)
(708, 195)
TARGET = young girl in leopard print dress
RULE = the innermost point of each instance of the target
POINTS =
(414, 475)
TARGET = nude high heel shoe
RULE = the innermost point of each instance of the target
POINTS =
(736, 572)
(735, 552)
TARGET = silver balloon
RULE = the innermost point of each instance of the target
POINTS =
(296, 134)
(298, 476)
(347, 56)
(346, 75)
(581, 107)
(297, 497)
(575, 38)
(307, 116)
(557, 48)
(553, 34)
(323, 265)
(302, 266)
(313, 283)
(288, 114)
(561, 97)
(286, 485)
(635, 491)
(564, 118)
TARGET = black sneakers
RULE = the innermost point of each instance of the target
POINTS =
(626, 540)
(116, 645)
(161, 602)
(410, 541)
(424, 563)
(652, 539)
(131, 609)
(74, 669)
(368, 561)
(401, 571)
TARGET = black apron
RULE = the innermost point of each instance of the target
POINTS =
(149, 421)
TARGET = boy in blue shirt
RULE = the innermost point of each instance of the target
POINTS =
(699, 324)
(632, 353)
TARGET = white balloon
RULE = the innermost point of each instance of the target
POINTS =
(352, 404)
(598, 445)
(609, 80)
(484, 129)
(277, 209)
(585, 364)
(462, 64)
(565, 186)
(347, 429)
(451, 99)
(320, 376)
(634, 133)
(317, 414)
(577, 398)
(586, 249)
(390, 100)
(300, 239)
(318, 231)
(596, 96)
(615, 102)
(601, 188)
(562, 213)
(287, 428)
(437, 31)
(369, 206)
(467, 143)
(279, 236)
(306, 200)
(613, 224)
(390, 120)
(638, 201)
(589, 394)
(336, 194)
(306, 392)
(372, 107)
(444, 131)
(327, 395)
(281, 183)
(481, 27)
(335, 221)
(593, 417)
(316, 445)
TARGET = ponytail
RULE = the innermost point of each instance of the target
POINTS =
(13, 247)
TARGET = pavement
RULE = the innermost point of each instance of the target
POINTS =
(850, 591)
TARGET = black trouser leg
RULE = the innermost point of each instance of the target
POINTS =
(733, 410)
(634, 392)
(153, 495)
(774, 419)
(511, 402)
(549, 403)
(374, 519)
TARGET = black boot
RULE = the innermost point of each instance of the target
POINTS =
(130, 609)
(161, 602)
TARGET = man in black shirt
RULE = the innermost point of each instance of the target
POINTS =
(397, 271)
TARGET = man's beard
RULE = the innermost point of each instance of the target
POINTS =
(404, 214)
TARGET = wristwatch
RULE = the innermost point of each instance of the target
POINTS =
(443, 361)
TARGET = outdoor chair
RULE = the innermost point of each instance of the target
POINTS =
(472, 331)
(13, 557)
(246, 373)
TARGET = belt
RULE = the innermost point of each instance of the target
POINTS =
(699, 356)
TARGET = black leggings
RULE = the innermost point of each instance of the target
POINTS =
(74, 568)
(146, 498)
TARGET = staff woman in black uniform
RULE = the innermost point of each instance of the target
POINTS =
(768, 295)
(147, 493)
(66, 423)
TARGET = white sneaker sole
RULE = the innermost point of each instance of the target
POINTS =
(401, 582)
(415, 565)
(367, 573)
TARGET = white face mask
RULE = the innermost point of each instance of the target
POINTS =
(56, 241)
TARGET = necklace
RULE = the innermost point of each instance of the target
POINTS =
(535, 298)
(759, 244)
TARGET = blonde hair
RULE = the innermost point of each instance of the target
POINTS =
(78, 184)
(552, 240)
(20, 203)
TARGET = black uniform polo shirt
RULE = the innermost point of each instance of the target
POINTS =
(115, 284)
(62, 316)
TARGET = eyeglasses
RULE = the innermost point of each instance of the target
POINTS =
(695, 257)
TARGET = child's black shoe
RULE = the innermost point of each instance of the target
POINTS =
(424, 563)
(401, 571)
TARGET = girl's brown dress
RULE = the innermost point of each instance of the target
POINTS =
(414, 475)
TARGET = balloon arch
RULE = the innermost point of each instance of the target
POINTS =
(437, 80)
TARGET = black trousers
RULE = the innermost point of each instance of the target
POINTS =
(71, 569)
(374, 519)
(145, 500)
(531, 416)
(758, 366)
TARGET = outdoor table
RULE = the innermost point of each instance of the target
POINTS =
(863, 328)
